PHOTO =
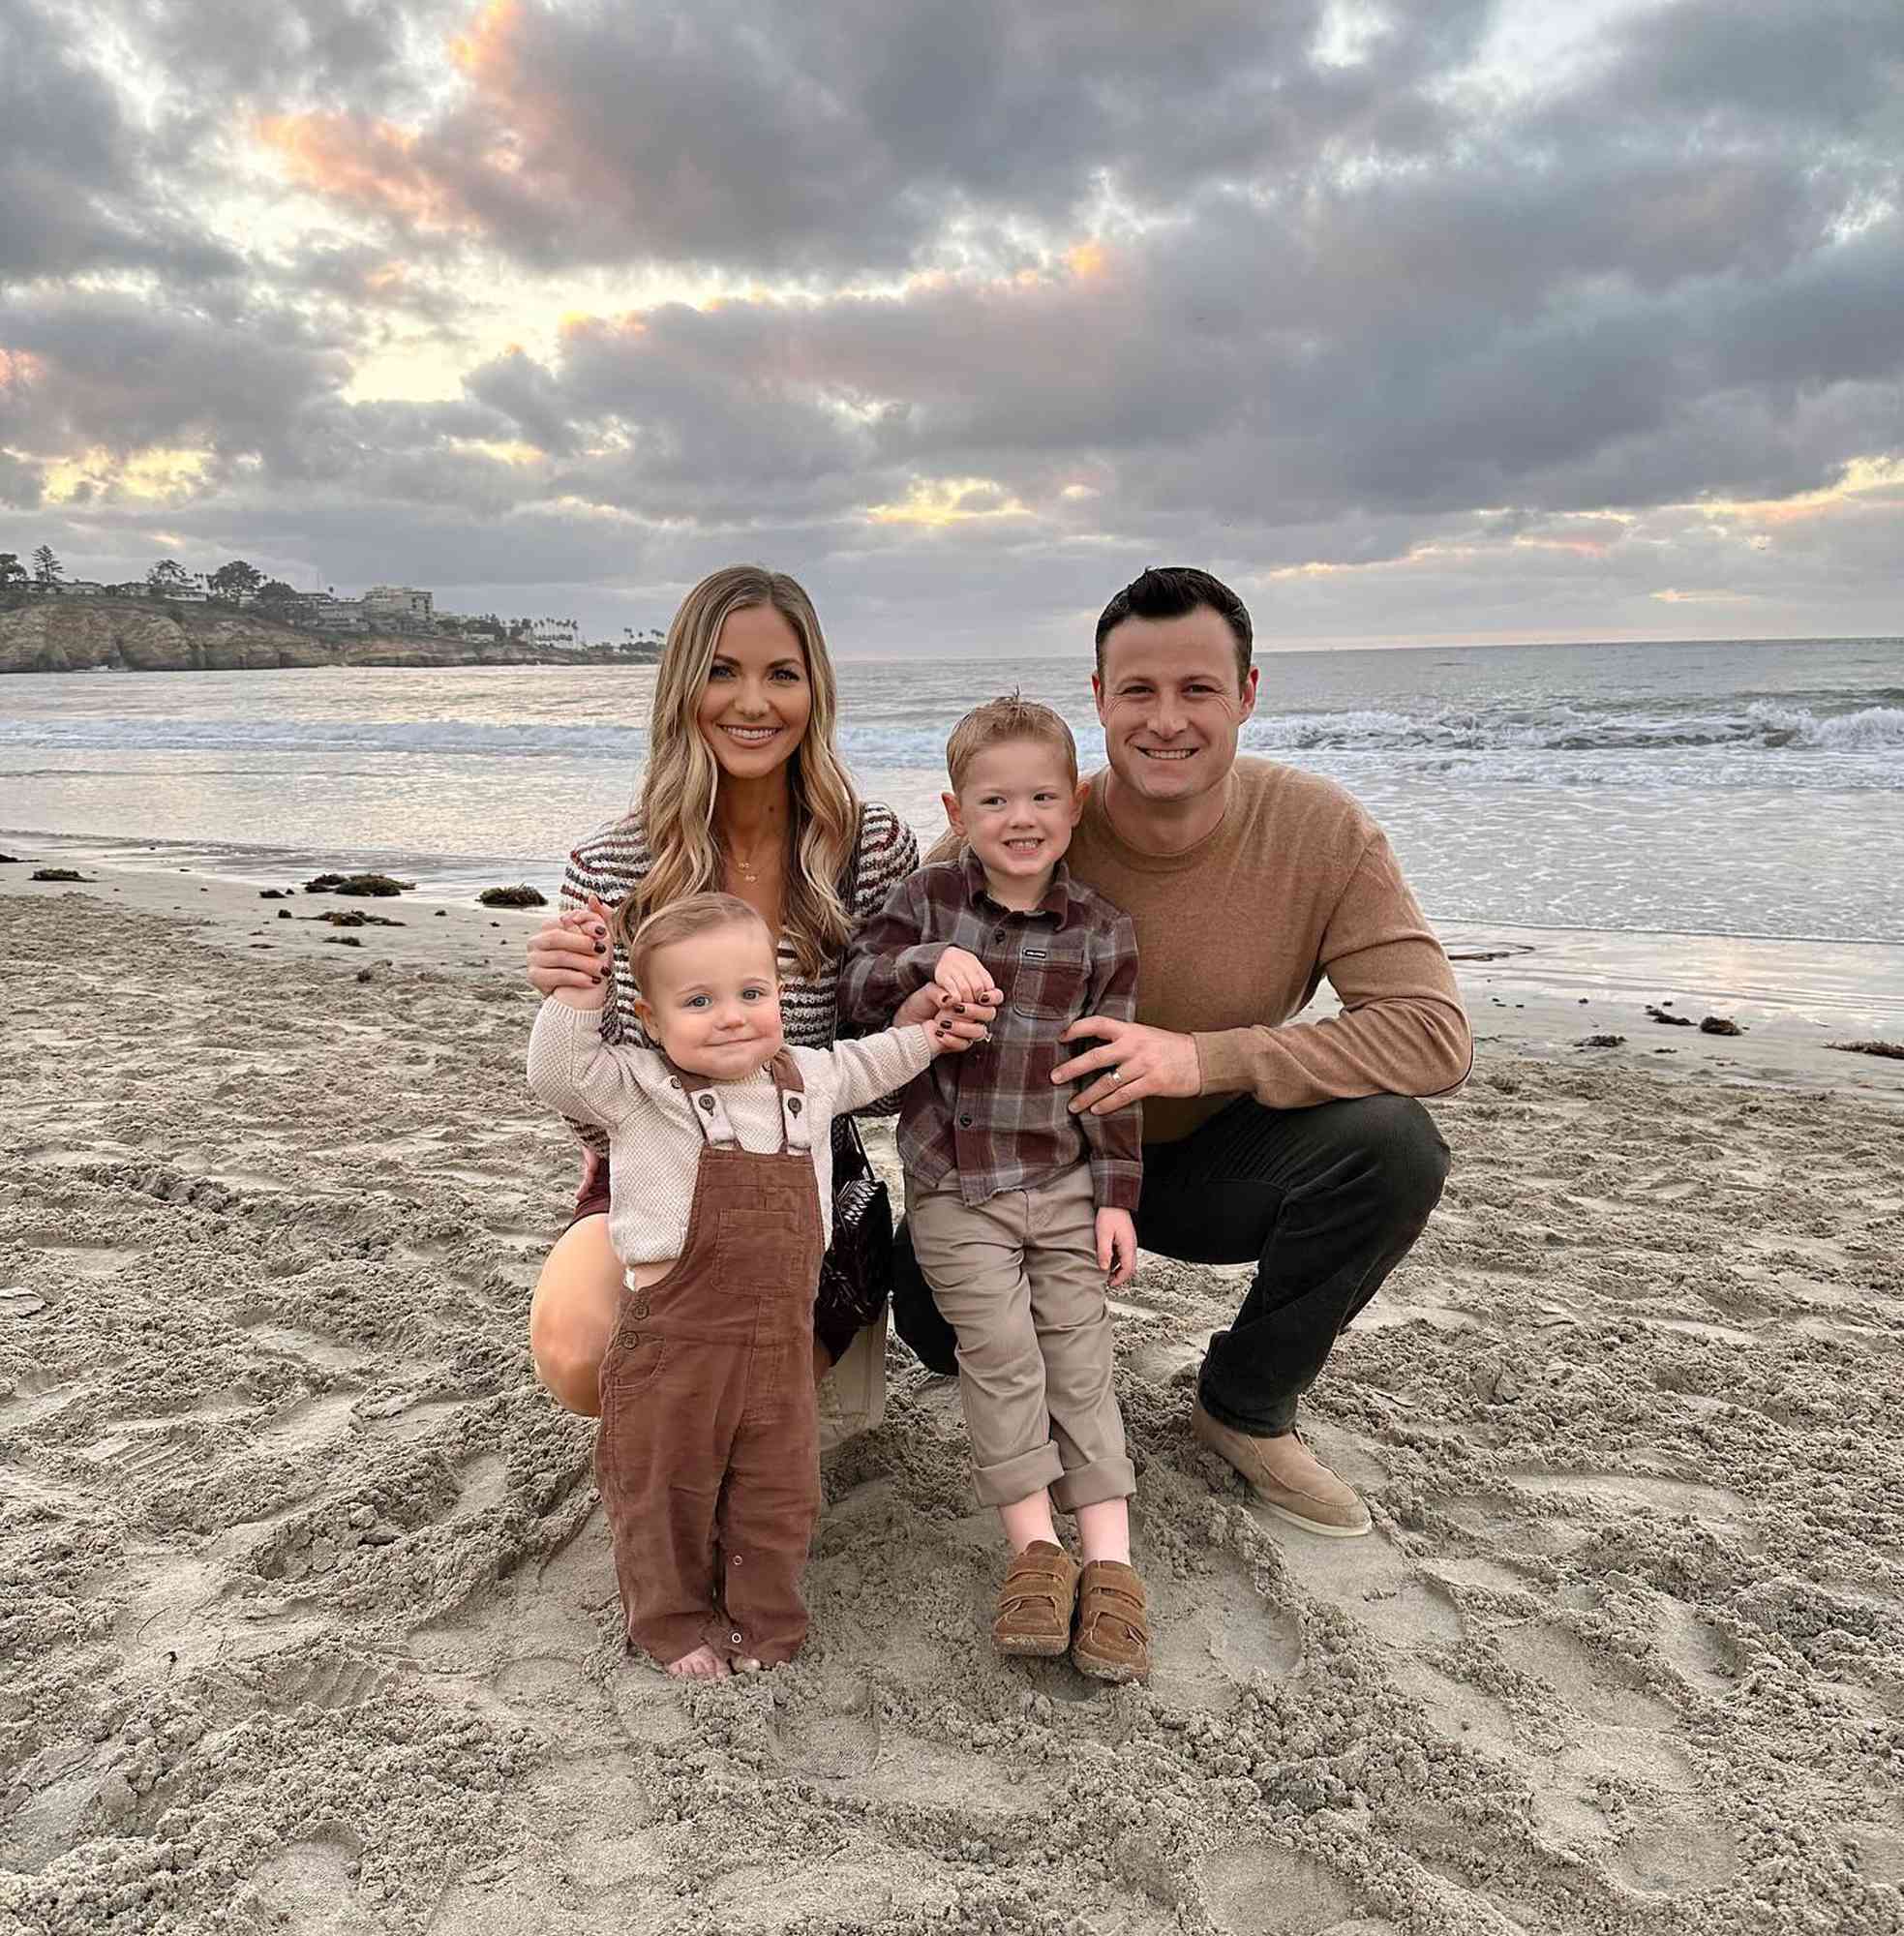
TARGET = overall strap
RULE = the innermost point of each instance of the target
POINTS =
(705, 1107)
(796, 1119)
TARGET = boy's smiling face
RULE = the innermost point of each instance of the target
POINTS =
(1017, 806)
(713, 1002)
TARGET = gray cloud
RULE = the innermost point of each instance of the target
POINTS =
(1371, 311)
(74, 195)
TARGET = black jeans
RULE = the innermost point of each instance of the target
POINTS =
(1328, 1200)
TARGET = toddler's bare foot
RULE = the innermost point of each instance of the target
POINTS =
(746, 1667)
(702, 1664)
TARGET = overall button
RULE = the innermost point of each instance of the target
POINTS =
(735, 1638)
(965, 1121)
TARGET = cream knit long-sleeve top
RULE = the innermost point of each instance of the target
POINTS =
(656, 1144)
(612, 861)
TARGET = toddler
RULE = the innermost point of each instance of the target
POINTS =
(1019, 1209)
(721, 1199)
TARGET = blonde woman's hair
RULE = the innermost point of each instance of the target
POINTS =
(683, 921)
(1000, 721)
(677, 808)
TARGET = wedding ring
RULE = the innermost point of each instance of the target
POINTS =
(1115, 1075)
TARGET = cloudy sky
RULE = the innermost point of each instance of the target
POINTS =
(1490, 320)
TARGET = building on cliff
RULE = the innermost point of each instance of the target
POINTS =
(394, 604)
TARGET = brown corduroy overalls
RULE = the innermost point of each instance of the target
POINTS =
(707, 1457)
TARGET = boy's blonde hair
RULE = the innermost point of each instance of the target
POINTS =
(683, 921)
(999, 721)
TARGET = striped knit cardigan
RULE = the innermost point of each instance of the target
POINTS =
(609, 863)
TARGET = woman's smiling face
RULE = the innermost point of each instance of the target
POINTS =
(758, 699)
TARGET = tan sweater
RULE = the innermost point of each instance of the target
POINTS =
(1233, 937)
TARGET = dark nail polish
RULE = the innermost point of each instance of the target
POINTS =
(958, 1008)
(599, 948)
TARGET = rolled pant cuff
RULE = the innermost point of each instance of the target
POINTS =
(1093, 1484)
(1281, 1418)
(1015, 1479)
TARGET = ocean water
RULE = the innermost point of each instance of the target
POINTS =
(1719, 789)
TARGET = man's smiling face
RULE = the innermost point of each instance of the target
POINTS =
(1169, 704)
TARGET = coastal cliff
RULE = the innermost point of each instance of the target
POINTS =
(150, 635)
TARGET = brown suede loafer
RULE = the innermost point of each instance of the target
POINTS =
(1287, 1477)
(1113, 1631)
(1034, 1602)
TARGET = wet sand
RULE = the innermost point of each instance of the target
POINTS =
(305, 1616)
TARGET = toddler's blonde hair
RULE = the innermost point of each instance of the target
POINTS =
(683, 921)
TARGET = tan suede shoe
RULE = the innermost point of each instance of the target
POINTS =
(1113, 1631)
(1034, 1602)
(1287, 1477)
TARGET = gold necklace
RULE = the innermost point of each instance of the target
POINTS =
(746, 868)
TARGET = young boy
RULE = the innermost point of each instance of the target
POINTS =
(1017, 1208)
(720, 1201)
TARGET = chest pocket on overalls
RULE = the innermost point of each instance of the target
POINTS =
(760, 1247)
(1049, 979)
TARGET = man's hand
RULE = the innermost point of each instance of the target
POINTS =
(968, 1021)
(1117, 1246)
(1131, 1063)
(964, 978)
(568, 955)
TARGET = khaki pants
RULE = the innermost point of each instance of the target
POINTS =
(1017, 1278)
(852, 1396)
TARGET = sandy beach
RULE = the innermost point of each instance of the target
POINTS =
(307, 1622)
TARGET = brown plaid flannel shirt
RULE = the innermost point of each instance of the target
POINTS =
(993, 1114)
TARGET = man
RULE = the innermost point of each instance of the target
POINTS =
(1298, 1144)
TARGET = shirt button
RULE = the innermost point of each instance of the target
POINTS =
(965, 1121)
(736, 1559)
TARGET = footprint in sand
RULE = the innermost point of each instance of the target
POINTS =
(36, 1396)
(1378, 1586)
(836, 1741)
(552, 1694)
(327, 1677)
(309, 1888)
(304, 1426)
(1215, 1633)
(484, 1482)
(1256, 1888)
(308, 1347)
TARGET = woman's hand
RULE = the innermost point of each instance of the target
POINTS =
(963, 1022)
(570, 951)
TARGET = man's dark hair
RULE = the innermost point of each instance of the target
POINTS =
(1172, 591)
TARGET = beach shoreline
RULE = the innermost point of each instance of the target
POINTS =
(308, 1623)
(1530, 991)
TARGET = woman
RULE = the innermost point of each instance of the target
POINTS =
(744, 791)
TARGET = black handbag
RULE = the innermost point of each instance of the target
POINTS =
(856, 1275)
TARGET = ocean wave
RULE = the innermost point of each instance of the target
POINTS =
(438, 737)
(1759, 726)
(1762, 725)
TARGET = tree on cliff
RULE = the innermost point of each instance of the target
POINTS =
(235, 582)
(12, 573)
(46, 568)
(274, 594)
(166, 577)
